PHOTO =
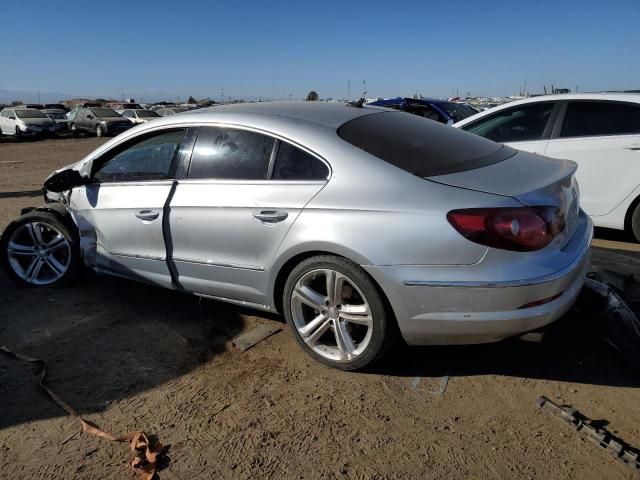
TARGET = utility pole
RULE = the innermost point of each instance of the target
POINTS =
(222, 95)
(349, 90)
(290, 97)
(364, 89)
(38, 96)
(525, 86)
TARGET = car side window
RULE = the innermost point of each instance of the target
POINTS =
(593, 118)
(226, 153)
(516, 124)
(149, 158)
(293, 163)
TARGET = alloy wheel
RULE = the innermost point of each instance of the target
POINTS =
(39, 253)
(331, 315)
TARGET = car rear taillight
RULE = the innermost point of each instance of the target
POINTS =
(521, 229)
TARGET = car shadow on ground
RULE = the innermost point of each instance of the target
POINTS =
(103, 340)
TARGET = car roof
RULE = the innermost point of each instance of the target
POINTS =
(605, 96)
(323, 113)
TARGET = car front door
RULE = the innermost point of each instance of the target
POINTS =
(603, 138)
(120, 213)
(525, 127)
(242, 193)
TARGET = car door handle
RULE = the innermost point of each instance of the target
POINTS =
(270, 216)
(147, 214)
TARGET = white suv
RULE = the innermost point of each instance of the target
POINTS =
(600, 132)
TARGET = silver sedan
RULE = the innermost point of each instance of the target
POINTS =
(360, 225)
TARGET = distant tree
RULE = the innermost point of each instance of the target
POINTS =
(101, 100)
(192, 100)
(16, 102)
(312, 96)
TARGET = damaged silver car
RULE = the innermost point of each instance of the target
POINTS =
(360, 225)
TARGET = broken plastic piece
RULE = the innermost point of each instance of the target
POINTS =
(249, 339)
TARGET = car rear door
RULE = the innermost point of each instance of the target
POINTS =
(241, 196)
(120, 213)
(526, 126)
(603, 138)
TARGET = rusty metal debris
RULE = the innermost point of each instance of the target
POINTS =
(250, 338)
(146, 453)
(599, 436)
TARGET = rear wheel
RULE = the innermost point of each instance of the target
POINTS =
(100, 131)
(39, 249)
(635, 223)
(18, 133)
(336, 313)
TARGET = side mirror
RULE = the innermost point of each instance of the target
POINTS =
(65, 180)
(90, 117)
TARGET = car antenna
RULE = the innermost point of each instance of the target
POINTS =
(358, 103)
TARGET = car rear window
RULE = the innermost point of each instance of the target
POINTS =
(420, 146)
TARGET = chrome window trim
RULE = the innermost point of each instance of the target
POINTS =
(154, 128)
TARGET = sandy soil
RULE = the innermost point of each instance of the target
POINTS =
(129, 356)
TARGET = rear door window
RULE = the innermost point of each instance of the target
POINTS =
(420, 146)
(226, 153)
(293, 163)
(593, 118)
(517, 124)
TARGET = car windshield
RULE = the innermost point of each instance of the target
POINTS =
(56, 115)
(146, 113)
(104, 112)
(457, 111)
(420, 146)
(30, 114)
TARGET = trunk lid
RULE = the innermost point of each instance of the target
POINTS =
(531, 179)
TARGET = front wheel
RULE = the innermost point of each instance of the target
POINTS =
(337, 313)
(39, 249)
(100, 131)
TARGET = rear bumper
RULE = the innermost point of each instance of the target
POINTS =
(482, 310)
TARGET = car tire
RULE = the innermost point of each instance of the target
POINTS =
(100, 132)
(18, 133)
(635, 223)
(73, 130)
(41, 249)
(319, 319)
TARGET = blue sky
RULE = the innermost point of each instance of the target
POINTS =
(155, 49)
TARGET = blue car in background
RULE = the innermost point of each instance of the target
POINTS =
(442, 111)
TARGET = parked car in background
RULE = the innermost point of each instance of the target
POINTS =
(55, 106)
(58, 116)
(121, 106)
(36, 106)
(100, 121)
(169, 111)
(441, 111)
(139, 115)
(600, 132)
(358, 224)
(21, 122)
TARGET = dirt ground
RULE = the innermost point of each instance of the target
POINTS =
(128, 356)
